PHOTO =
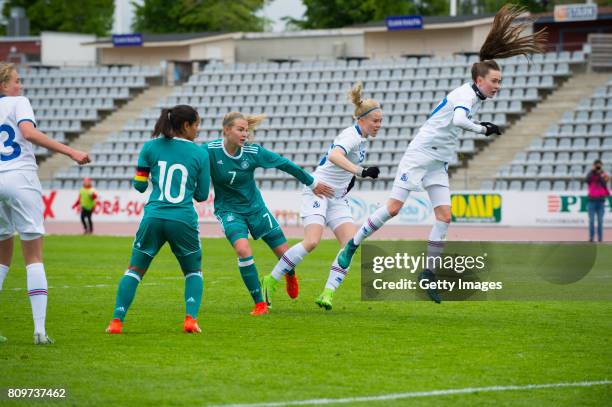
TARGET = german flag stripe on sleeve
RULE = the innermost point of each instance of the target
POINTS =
(142, 174)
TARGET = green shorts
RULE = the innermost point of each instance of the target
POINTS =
(184, 241)
(260, 224)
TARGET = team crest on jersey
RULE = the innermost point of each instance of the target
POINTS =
(244, 165)
(230, 217)
(220, 162)
(404, 177)
(316, 204)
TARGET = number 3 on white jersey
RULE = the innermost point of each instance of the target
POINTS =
(165, 181)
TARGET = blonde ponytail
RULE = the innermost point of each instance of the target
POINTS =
(362, 106)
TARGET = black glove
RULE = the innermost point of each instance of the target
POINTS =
(351, 184)
(371, 172)
(491, 128)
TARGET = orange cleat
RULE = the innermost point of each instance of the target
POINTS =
(260, 308)
(191, 325)
(293, 288)
(115, 326)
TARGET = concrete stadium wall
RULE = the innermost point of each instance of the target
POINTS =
(260, 48)
(65, 49)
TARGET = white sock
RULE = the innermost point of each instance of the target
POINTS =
(435, 244)
(3, 272)
(289, 261)
(372, 224)
(37, 291)
(336, 275)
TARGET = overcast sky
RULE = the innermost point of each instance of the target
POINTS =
(280, 8)
(275, 10)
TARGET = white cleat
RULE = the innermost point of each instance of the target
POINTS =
(42, 339)
(3, 339)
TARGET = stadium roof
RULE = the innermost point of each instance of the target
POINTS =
(434, 22)
(429, 20)
(171, 39)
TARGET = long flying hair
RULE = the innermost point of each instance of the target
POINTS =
(505, 40)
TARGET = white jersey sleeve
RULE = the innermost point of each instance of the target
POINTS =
(16, 153)
(438, 136)
(354, 146)
(23, 111)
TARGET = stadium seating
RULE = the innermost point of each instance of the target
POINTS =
(561, 158)
(307, 106)
(68, 100)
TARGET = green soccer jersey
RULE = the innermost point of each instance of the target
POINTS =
(233, 176)
(180, 172)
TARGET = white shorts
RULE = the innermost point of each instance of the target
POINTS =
(331, 212)
(21, 205)
(417, 171)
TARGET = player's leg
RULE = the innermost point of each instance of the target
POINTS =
(439, 196)
(185, 244)
(313, 213)
(6, 255)
(149, 239)
(6, 252)
(264, 225)
(6, 238)
(374, 222)
(236, 231)
(27, 216)
(344, 230)
(248, 272)
(410, 172)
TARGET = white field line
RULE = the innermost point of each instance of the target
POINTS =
(415, 394)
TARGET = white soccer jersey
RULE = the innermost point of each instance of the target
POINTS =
(437, 137)
(353, 144)
(16, 153)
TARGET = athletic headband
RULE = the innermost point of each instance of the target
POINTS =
(368, 111)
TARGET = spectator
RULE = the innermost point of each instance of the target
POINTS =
(597, 180)
(87, 202)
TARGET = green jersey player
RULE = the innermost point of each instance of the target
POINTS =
(180, 172)
(238, 202)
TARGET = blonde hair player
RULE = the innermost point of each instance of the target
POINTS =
(239, 205)
(425, 163)
(21, 208)
(338, 168)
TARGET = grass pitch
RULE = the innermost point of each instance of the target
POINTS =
(299, 351)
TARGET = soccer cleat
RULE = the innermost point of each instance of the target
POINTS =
(190, 326)
(115, 326)
(325, 299)
(42, 339)
(346, 254)
(292, 286)
(261, 308)
(3, 339)
(431, 292)
(268, 287)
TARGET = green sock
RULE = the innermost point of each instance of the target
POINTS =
(248, 271)
(194, 287)
(125, 293)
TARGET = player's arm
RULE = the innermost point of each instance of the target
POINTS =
(461, 120)
(33, 135)
(143, 170)
(203, 186)
(338, 157)
(269, 159)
